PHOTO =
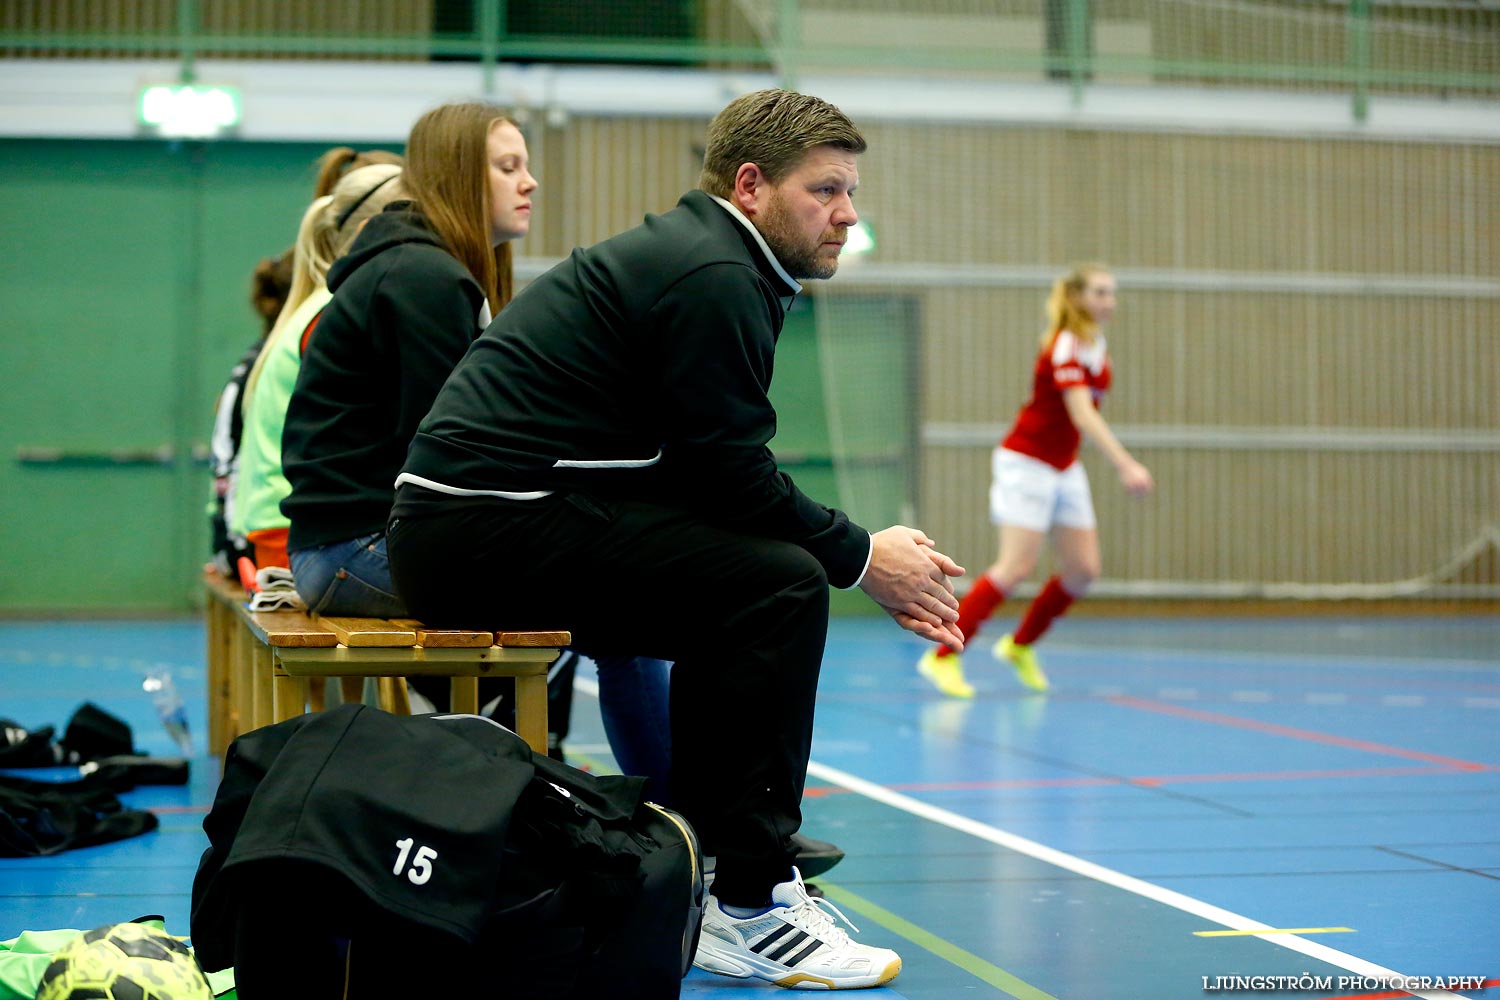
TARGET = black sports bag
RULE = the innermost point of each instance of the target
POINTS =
(365, 855)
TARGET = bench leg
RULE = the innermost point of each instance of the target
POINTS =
(531, 710)
(289, 695)
(242, 682)
(400, 696)
(464, 695)
(352, 690)
(391, 696)
(262, 678)
(220, 622)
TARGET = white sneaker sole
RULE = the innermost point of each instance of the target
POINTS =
(737, 965)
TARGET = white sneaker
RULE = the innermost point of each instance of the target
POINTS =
(795, 944)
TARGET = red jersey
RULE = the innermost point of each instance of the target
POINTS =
(1043, 428)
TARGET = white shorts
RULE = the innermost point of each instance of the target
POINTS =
(1029, 493)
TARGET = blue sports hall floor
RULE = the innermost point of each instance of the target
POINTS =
(1201, 807)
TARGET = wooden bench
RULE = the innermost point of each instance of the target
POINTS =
(261, 663)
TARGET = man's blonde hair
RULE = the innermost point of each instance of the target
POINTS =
(772, 129)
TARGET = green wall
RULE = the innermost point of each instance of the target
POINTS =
(126, 301)
(851, 441)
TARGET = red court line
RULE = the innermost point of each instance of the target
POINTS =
(1148, 781)
(1364, 772)
(1297, 734)
(1397, 994)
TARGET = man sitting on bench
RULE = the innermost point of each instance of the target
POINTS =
(598, 462)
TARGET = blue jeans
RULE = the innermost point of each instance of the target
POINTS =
(634, 703)
(349, 579)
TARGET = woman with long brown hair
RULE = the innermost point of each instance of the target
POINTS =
(1040, 489)
(422, 280)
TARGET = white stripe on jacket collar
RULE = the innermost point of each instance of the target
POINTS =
(760, 241)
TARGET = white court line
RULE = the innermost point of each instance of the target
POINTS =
(1099, 873)
(1087, 869)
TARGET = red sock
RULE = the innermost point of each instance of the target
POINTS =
(978, 604)
(1048, 606)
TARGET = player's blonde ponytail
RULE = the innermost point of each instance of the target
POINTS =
(1064, 306)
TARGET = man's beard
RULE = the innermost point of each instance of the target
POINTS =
(798, 257)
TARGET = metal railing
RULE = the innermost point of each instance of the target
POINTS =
(1359, 48)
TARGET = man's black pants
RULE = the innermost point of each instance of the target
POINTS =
(744, 619)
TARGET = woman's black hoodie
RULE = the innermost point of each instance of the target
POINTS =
(403, 312)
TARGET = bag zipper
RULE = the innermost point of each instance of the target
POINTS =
(687, 838)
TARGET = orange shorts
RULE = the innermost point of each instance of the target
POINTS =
(270, 547)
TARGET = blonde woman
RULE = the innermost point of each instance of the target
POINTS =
(328, 228)
(1039, 488)
(269, 285)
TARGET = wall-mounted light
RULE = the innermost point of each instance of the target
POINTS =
(860, 239)
(188, 111)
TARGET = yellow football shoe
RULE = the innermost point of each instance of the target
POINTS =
(1028, 670)
(946, 673)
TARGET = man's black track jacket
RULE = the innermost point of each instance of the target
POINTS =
(638, 368)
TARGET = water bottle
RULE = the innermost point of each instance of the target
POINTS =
(169, 708)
